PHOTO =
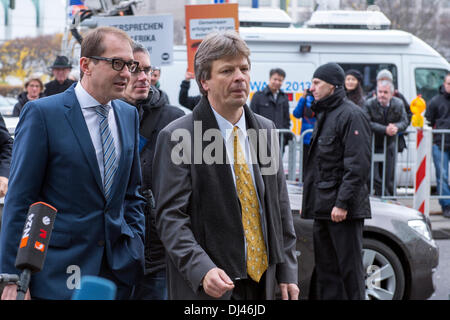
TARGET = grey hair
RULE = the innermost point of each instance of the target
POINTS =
(215, 46)
(139, 47)
(383, 83)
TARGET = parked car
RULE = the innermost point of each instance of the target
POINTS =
(7, 106)
(400, 255)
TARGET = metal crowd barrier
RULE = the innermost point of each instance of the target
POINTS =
(403, 162)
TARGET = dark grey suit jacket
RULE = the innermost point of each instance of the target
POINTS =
(198, 213)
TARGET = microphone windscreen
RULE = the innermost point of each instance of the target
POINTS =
(35, 237)
(95, 288)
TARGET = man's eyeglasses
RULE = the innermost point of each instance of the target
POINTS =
(147, 71)
(118, 64)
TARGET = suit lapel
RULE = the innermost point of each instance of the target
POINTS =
(76, 120)
(205, 115)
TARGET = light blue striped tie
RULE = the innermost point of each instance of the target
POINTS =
(109, 149)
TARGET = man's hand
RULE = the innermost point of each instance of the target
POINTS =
(10, 293)
(338, 214)
(216, 282)
(289, 291)
(3, 186)
(391, 129)
(189, 75)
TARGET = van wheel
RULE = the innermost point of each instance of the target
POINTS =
(385, 277)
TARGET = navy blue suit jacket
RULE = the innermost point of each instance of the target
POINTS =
(54, 161)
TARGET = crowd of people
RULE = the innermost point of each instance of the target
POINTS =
(137, 207)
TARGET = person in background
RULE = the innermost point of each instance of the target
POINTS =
(154, 114)
(156, 75)
(387, 118)
(385, 74)
(438, 115)
(303, 111)
(335, 191)
(353, 86)
(60, 70)
(6, 144)
(183, 98)
(273, 104)
(33, 91)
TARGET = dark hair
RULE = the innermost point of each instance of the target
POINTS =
(277, 71)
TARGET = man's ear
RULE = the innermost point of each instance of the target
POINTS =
(84, 65)
(205, 85)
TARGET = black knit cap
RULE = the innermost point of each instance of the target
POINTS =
(331, 73)
(356, 74)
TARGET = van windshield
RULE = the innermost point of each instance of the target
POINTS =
(428, 82)
(370, 71)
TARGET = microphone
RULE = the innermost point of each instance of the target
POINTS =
(95, 288)
(33, 245)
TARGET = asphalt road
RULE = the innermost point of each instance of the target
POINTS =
(441, 276)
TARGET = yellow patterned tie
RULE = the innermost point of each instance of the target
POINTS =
(256, 250)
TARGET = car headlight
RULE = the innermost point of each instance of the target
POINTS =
(421, 228)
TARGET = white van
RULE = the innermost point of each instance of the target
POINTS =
(416, 67)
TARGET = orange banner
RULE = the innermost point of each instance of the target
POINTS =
(203, 19)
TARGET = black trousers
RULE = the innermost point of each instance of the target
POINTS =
(248, 289)
(338, 254)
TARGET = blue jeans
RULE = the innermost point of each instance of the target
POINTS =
(444, 169)
(152, 287)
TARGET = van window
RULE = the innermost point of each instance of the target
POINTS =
(428, 82)
(370, 71)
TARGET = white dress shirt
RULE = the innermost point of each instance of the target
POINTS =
(226, 129)
(87, 104)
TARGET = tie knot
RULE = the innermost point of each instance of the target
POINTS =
(102, 110)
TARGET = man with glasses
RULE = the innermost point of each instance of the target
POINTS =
(154, 114)
(78, 151)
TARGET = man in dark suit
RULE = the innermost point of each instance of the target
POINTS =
(78, 151)
(222, 207)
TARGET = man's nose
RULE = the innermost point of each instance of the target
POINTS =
(239, 75)
(142, 76)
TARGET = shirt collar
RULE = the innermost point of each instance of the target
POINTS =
(226, 127)
(85, 99)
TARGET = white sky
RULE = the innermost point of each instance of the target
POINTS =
(23, 18)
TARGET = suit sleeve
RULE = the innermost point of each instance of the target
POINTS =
(134, 202)
(28, 167)
(173, 189)
(6, 143)
(287, 272)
